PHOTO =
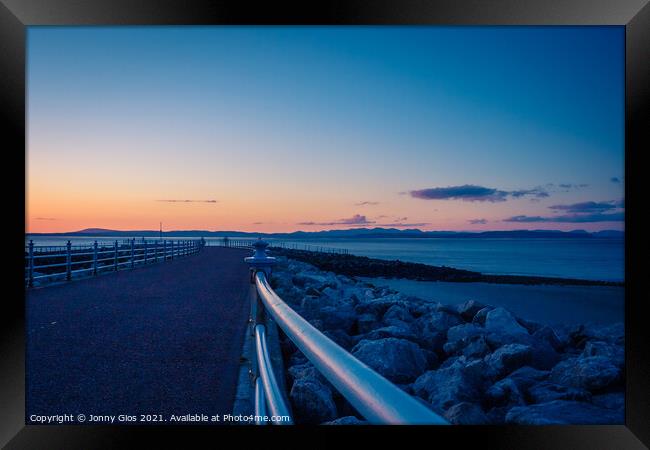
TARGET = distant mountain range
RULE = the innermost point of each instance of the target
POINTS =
(352, 233)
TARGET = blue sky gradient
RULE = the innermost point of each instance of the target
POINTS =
(317, 120)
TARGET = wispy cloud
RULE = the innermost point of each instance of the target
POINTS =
(570, 218)
(473, 193)
(478, 221)
(572, 186)
(366, 203)
(44, 218)
(587, 207)
(187, 201)
(357, 219)
(403, 224)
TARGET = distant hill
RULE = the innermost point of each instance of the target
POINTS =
(357, 233)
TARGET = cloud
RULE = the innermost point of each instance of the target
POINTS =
(615, 180)
(366, 203)
(569, 186)
(188, 201)
(357, 219)
(570, 218)
(587, 207)
(537, 192)
(466, 192)
(44, 218)
(478, 221)
(473, 193)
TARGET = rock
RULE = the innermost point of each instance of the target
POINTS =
(303, 280)
(312, 292)
(507, 359)
(612, 400)
(347, 420)
(563, 412)
(399, 360)
(613, 334)
(463, 332)
(366, 323)
(501, 321)
(312, 401)
(527, 376)
(529, 325)
(477, 348)
(341, 317)
(592, 373)
(548, 335)
(504, 393)
(466, 413)
(479, 318)
(400, 332)
(614, 353)
(380, 305)
(546, 391)
(340, 337)
(469, 309)
(446, 387)
(432, 329)
(460, 336)
(397, 313)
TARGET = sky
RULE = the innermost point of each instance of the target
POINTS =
(279, 129)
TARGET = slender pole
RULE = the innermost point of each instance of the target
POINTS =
(68, 261)
(31, 263)
(132, 253)
(95, 258)
(115, 259)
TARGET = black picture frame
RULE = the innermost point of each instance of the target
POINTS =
(634, 15)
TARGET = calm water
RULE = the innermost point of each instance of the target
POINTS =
(594, 259)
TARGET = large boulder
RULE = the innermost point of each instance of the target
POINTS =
(367, 322)
(312, 401)
(466, 413)
(563, 412)
(504, 393)
(469, 309)
(547, 391)
(432, 329)
(340, 337)
(481, 315)
(399, 360)
(443, 388)
(507, 359)
(613, 352)
(338, 317)
(592, 373)
(400, 332)
(527, 376)
(548, 335)
(380, 305)
(611, 400)
(306, 279)
(500, 321)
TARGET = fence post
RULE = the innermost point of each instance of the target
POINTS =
(31, 263)
(115, 260)
(145, 251)
(95, 258)
(132, 253)
(68, 261)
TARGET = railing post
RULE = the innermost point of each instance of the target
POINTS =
(30, 263)
(260, 261)
(95, 258)
(68, 261)
(132, 253)
(115, 260)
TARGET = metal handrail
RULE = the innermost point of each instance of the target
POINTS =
(376, 398)
(272, 393)
(373, 396)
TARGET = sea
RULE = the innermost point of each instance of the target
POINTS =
(590, 259)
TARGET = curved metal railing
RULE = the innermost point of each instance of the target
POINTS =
(51, 263)
(374, 397)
